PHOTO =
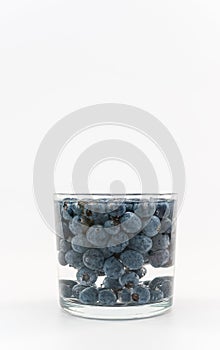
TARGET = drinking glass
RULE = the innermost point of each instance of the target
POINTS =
(115, 254)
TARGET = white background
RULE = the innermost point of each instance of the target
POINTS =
(58, 56)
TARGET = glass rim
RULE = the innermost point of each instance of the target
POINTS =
(174, 194)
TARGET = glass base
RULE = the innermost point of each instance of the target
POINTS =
(116, 313)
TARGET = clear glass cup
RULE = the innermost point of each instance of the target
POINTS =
(115, 254)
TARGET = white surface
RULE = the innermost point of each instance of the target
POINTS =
(193, 324)
(57, 56)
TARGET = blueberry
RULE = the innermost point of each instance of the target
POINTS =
(157, 282)
(140, 243)
(131, 223)
(100, 273)
(129, 205)
(86, 276)
(160, 242)
(111, 283)
(96, 206)
(166, 225)
(77, 209)
(107, 297)
(145, 221)
(140, 295)
(153, 226)
(93, 259)
(129, 280)
(106, 252)
(145, 209)
(141, 272)
(70, 211)
(77, 227)
(66, 215)
(70, 283)
(156, 296)
(124, 295)
(103, 200)
(164, 284)
(74, 259)
(86, 221)
(61, 258)
(112, 227)
(65, 291)
(146, 257)
(80, 243)
(118, 209)
(113, 268)
(162, 210)
(64, 245)
(135, 201)
(99, 219)
(118, 242)
(118, 248)
(65, 287)
(132, 259)
(121, 237)
(89, 296)
(77, 289)
(167, 288)
(146, 283)
(97, 236)
(159, 258)
(112, 204)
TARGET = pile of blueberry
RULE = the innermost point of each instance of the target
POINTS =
(109, 242)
